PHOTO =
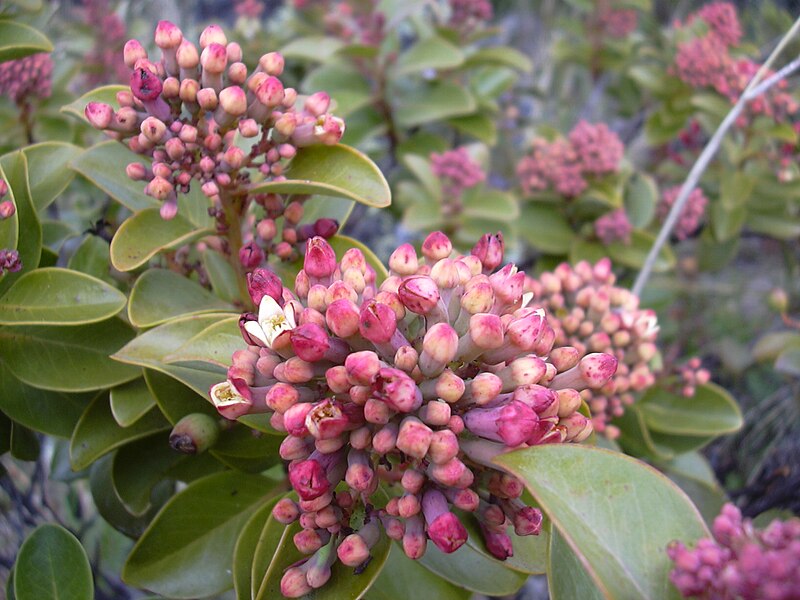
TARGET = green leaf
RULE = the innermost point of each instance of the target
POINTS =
(224, 280)
(771, 345)
(56, 296)
(432, 52)
(52, 565)
(339, 171)
(91, 257)
(433, 102)
(215, 344)
(130, 402)
(160, 295)
(69, 359)
(641, 199)
(727, 221)
(149, 349)
(145, 234)
(422, 216)
(634, 255)
(315, 48)
(245, 550)
(545, 228)
(694, 475)
(346, 85)
(788, 362)
(238, 448)
(479, 126)
(55, 233)
(14, 170)
(502, 56)
(97, 433)
(473, 570)
(585, 250)
(421, 168)
(174, 399)
(530, 551)
(781, 227)
(490, 204)
(567, 578)
(48, 172)
(52, 413)
(24, 443)
(204, 520)
(343, 584)
(406, 578)
(18, 40)
(636, 439)
(602, 502)
(711, 411)
(106, 93)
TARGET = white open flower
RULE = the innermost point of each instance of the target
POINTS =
(272, 321)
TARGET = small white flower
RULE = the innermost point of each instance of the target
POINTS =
(272, 321)
(527, 297)
(652, 327)
(224, 395)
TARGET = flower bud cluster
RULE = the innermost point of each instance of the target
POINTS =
(705, 61)
(414, 385)
(186, 109)
(740, 562)
(457, 171)
(468, 15)
(103, 63)
(590, 314)
(356, 22)
(692, 214)
(9, 261)
(29, 77)
(614, 227)
(251, 9)
(690, 375)
(564, 164)
(613, 22)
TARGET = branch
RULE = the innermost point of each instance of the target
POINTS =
(754, 89)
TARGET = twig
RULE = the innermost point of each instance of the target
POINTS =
(754, 89)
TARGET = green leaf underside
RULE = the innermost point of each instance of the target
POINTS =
(145, 234)
(55, 296)
(601, 502)
(710, 411)
(130, 402)
(160, 295)
(339, 171)
(18, 40)
(52, 565)
(204, 520)
(97, 434)
(70, 359)
(567, 579)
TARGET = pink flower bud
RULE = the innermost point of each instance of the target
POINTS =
(443, 447)
(512, 423)
(7, 209)
(99, 114)
(285, 511)
(310, 478)
(317, 104)
(489, 250)
(414, 539)
(435, 414)
(354, 549)
(132, 52)
(414, 437)
(251, 255)
(213, 34)
(362, 367)
(272, 63)
(310, 342)
(271, 92)
(385, 439)
(439, 347)
(403, 260)
(436, 246)
(444, 528)
(397, 390)
(497, 543)
(593, 371)
(342, 317)
(419, 294)
(320, 259)
(376, 322)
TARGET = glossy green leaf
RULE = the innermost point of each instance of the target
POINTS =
(145, 234)
(339, 171)
(770, 345)
(130, 402)
(545, 228)
(499, 56)
(138, 466)
(55, 233)
(97, 433)
(434, 102)
(69, 359)
(48, 170)
(490, 204)
(221, 275)
(711, 411)
(245, 550)
(315, 48)
(240, 449)
(24, 443)
(473, 570)
(422, 216)
(479, 126)
(727, 221)
(149, 349)
(602, 502)
(215, 344)
(530, 551)
(585, 250)
(55, 296)
(18, 40)
(781, 227)
(343, 584)
(641, 198)
(432, 52)
(634, 255)
(567, 578)
(52, 413)
(174, 399)
(635, 437)
(52, 565)
(203, 520)
(160, 295)
(692, 473)
(14, 170)
(342, 243)
(406, 578)
(106, 93)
